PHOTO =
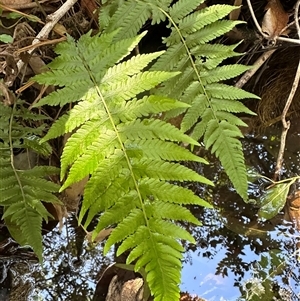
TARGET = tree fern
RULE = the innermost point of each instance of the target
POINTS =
(131, 157)
(23, 190)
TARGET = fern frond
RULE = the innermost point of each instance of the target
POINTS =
(129, 17)
(211, 32)
(199, 21)
(222, 73)
(222, 138)
(191, 117)
(160, 149)
(214, 50)
(200, 83)
(109, 195)
(182, 8)
(229, 106)
(132, 86)
(64, 95)
(151, 129)
(30, 224)
(222, 91)
(166, 171)
(132, 66)
(108, 9)
(171, 193)
(163, 268)
(153, 104)
(107, 54)
(87, 163)
(127, 153)
(118, 211)
(23, 190)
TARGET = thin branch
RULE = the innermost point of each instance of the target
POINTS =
(255, 20)
(258, 63)
(51, 22)
(286, 124)
(288, 40)
(296, 18)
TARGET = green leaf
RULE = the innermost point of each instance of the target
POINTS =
(273, 200)
(5, 38)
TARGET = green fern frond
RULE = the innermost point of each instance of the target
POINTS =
(127, 227)
(88, 162)
(170, 59)
(132, 86)
(201, 21)
(23, 190)
(130, 67)
(65, 95)
(181, 9)
(153, 104)
(171, 193)
(229, 106)
(211, 32)
(118, 211)
(222, 91)
(127, 154)
(159, 149)
(166, 171)
(191, 117)
(107, 54)
(215, 50)
(30, 224)
(200, 82)
(163, 268)
(222, 73)
(129, 17)
(34, 143)
(151, 129)
(108, 9)
(222, 137)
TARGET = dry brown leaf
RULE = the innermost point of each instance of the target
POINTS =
(295, 201)
(9, 67)
(61, 213)
(90, 6)
(293, 209)
(14, 2)
(275, 19)
(6, 96)
(73, 194)
(234, 15)
(101, 236)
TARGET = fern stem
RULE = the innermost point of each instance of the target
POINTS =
(12, 152)
(189, 55)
